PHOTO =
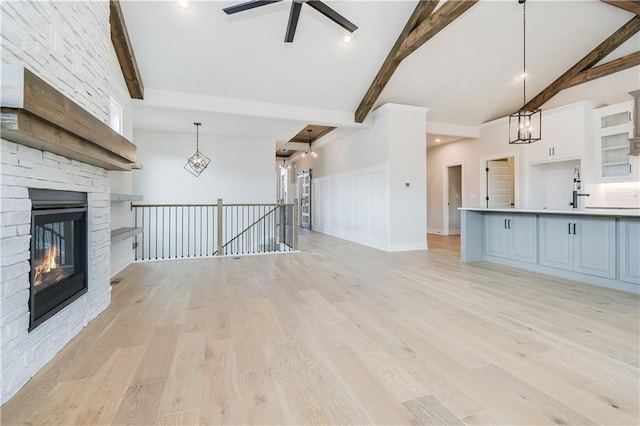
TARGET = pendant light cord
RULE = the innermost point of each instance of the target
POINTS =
(524, 53)
(197, 136)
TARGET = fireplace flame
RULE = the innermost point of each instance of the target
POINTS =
(48, 264)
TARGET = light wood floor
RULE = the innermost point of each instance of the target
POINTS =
(341, 333)
(449, 243)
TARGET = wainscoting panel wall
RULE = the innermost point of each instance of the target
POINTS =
(354, 206)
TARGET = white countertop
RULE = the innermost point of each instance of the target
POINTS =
(572, 212)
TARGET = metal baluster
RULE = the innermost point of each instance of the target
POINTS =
(169, 232)
(162, 241)
(176, 251)
(156, 225)
(200, 231)
(206, 212)
(243, 228)
(135, 238)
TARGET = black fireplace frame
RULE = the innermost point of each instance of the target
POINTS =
(51, 206)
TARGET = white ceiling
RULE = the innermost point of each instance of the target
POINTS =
(465, 75)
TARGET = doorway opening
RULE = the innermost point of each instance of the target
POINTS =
(304, 190)
(500, 183)
(283, 187)
(452, 199)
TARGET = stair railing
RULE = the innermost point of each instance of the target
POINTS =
(176, 231)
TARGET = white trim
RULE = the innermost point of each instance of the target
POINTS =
(450, 129)
(435, 231)
(407, 247)
(402, 107)
(154, 98)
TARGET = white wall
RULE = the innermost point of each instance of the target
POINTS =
(553, 185)
(407, 165)
(359, 178)
(241, 170)
(121, 182)
(473, 154)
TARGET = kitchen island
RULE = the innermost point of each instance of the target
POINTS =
(595, 246)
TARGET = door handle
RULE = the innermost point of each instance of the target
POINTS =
(505, 224)
(509, 223)
(549, 149)
(574, 229)
(569, 228)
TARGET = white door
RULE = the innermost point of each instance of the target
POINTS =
(500, 192)
(455, 198)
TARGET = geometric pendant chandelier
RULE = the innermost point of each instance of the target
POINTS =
(198, 161)
(525, 126)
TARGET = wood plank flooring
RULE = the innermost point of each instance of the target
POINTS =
(344, 334)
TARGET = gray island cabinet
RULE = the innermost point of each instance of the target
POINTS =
(599, 247)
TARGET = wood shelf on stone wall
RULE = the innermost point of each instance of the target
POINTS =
(35, 114)
(125, 197)
(121, 234)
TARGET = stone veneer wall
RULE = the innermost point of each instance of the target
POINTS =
(24, 353)
(66, 43)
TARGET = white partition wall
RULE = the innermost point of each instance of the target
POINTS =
(369, 185)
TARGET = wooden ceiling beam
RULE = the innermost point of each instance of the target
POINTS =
(436, 22)
(603, 70)
(631, 6)
(423, 10)
(596, 55)
(124, 51)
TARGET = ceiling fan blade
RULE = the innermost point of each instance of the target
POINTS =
(294, 15)
(333, 15)
(247, 5)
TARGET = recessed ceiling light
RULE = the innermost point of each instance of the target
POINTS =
(438, 140)
(347, 38)
(183, 3)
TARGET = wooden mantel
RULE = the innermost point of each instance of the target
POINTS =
(37, 115)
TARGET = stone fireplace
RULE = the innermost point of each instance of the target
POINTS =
(31, 338)
(57, 81)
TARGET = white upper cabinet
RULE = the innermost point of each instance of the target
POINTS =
(613, 128)
(563, 134)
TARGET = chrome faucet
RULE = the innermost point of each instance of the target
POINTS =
(576, 186)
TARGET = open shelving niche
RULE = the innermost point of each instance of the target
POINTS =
(120, 234)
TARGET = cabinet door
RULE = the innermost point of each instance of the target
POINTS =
(556, 242)
(629, 244)
(595, 246)
(495, 235)
(613, 128)
(523, 238)
(568, 130)
(540, 151)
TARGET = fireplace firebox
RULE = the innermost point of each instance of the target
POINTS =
(58, 251)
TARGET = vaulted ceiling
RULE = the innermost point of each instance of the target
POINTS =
(237, 71)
